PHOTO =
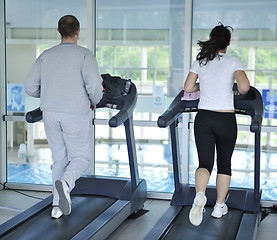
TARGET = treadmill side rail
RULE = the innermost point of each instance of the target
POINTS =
(164, 223)
(248, 221)
(105, 223)
(25, 215)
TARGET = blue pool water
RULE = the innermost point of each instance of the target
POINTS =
(155, 166)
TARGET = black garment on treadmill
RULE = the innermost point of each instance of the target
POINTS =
(114, 86)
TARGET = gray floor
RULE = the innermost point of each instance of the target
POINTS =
(12, 203)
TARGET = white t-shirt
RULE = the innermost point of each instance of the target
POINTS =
(216, 80)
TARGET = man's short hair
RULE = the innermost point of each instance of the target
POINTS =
(68, 25)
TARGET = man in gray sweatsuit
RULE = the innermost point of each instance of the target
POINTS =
(67, 81)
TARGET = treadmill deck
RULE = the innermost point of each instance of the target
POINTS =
(211, 228)
(85, 208)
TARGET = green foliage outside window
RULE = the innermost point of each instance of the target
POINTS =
(128, 61)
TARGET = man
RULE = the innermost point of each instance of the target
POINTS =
(67, 81)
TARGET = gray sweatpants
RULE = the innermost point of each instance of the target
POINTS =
(70, 140)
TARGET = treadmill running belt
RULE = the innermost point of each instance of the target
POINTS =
(211, 228)
(85, 208)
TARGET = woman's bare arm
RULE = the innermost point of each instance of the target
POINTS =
(190, 84)
(242, 81)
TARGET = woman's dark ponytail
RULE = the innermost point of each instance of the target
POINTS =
(220, 38)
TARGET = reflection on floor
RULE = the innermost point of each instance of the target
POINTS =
(12, 203)
(155, 166)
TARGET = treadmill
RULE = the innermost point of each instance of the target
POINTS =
(244, 203)
(99, 204)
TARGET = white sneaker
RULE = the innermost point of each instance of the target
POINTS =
(196, 212)
(56, 212)
(64, 196)
(219, 211)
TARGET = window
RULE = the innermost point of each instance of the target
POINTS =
(142, 41)
(27, 35)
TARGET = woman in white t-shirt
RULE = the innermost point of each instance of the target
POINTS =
(215, 123)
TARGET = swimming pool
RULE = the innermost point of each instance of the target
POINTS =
(155, 166)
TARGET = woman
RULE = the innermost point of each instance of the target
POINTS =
(215, 123)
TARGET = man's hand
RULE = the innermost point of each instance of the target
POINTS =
(92, 106)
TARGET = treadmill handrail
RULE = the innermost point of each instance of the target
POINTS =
(125, 103)
(177, 107)
(250, 103)
(34, 115)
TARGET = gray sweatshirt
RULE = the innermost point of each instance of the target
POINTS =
(66, 79)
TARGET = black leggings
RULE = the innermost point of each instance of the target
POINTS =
(215, 129)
